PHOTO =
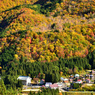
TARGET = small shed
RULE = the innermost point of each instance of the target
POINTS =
(65, 80)
(71, 76)
(42, 81)
(26, 80)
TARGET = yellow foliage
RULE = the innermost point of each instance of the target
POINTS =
(16, 56)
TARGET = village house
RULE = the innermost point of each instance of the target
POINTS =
(71, 76)
(26, 80)
(93, 72)
(53, 86)
(92, 75)
(88, 81)
(48, 84)
(79, 81)
(65, 80)
(83, 78)
(76, 76)
(87, 76)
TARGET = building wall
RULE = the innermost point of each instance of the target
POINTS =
(28, 81)
(24, 82)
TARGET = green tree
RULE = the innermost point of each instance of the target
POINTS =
(2, 88)
(93, 59)
(19, 84)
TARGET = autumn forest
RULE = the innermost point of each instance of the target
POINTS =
(46, 37)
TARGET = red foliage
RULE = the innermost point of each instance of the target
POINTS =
(92, 34)
(40, 38)
(86, 52)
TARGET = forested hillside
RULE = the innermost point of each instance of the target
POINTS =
(46, 36)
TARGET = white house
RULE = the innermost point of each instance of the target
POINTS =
(26, 80)
(76, 76)
(48, 84)
(65, 80)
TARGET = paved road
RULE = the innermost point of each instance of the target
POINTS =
(62, 90)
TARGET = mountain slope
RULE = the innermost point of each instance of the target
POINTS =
(66, 32)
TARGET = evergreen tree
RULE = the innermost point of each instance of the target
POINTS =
(19, 84)
(93, 59)
(2, 88)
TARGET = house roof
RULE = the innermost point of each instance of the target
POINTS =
(59, 84)
(79, 80)
(43, 85)
(76, 75)
(23, 77)
(93, 71)
(65, 79)
(62, 78)
(48, 84)
(71, 75)
(91, 75)
(43, 80)
(53, 85)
